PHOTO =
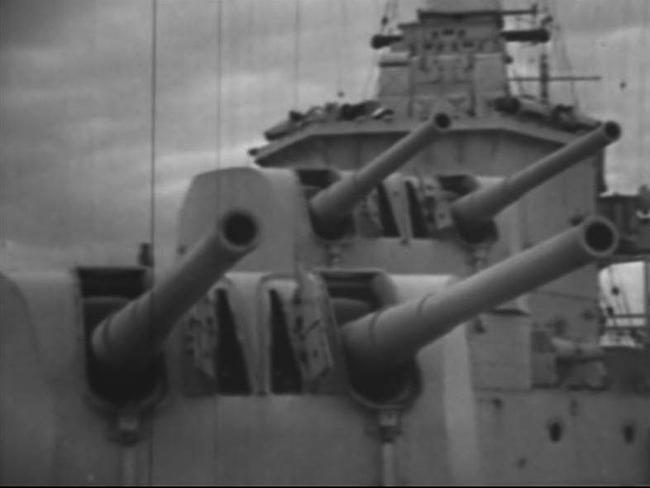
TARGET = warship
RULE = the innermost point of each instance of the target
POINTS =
(401, 291)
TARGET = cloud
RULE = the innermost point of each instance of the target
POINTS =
(76, 100)
(598, 16)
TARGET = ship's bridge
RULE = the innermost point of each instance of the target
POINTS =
(453, 56)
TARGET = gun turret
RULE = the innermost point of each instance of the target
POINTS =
(472, 211)
(392, 336)
(130, 339)
(331, 206)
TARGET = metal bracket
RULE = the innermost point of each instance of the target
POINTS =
(435, 205)
(312, 317)
(200, 346)
(389, 422)
(127, 428)
(334, 252)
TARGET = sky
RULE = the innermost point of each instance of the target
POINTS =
(76, 101)
(76, 106)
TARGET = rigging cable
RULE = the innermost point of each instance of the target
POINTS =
(342, 42)
(560, 48)
(152, 134)
(218, 81)
(152, 202)
(642, 140)
(253, 60)
(611, 320)
(296, 54)
(385, 26)
(522, 60)
(641, 106)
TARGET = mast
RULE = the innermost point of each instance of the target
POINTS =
(544, 75)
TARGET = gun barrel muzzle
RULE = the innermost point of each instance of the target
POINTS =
(395, 334)
(331, 206)
(133, 336)
(477, 208)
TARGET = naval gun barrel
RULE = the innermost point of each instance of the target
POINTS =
(392, 336)
(475, 209)
(130, 338)
(331, 206)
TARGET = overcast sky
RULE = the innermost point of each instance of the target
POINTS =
(76, 100)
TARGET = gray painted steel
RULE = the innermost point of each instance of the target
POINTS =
(478, 207)
(485, 390)
(331, 205)
(134, 335)
(394, 335)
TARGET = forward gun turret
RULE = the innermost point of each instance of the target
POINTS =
(472, 211)
(127, 342)
(331, 206)
(392, 336)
